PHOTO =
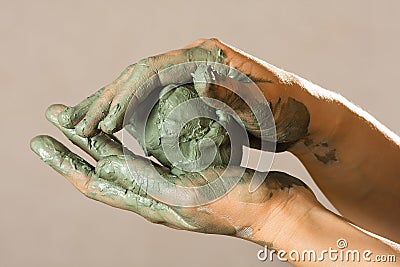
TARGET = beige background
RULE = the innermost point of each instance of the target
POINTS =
(61, 52)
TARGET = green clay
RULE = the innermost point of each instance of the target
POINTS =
(291, 120)
(83, 176)
(192, 135)
(70, 116)
(98, 147)
(59, 157)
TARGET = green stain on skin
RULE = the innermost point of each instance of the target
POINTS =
(291, 120)
(322, 151)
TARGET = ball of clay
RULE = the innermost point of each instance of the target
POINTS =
(168, 131)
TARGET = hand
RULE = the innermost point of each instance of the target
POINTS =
(288, 101)
(256, 216)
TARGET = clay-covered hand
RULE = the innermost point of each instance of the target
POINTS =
(254, 216)
(286, 98)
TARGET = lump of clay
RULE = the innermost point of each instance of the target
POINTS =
(184, 133)
(192, 125)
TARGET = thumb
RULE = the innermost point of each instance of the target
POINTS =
(236, 93)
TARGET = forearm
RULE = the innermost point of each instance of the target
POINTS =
(353, 159)
(321, 238)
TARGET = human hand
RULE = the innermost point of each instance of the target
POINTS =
(285, 97)
(256, 216)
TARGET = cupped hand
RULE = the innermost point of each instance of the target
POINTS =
(106, 108)
(256, 216)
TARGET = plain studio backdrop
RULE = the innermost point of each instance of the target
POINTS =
(60, 52)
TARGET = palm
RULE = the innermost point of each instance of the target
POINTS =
(111, 183)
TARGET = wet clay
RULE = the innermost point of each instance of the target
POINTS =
(194, 135)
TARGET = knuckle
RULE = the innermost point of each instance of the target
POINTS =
(150, 62)
(110, 89)
(214, 40)
(80, 127)
(130, 67)
(108, 125)
(65, 117)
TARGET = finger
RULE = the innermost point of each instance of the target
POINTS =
(113, 122)
(61, 159)
(237, 95)
(140, 176)
(81, 175)
(70, 116)
(133, 173)
(151, 73)
(136, 175)
(139, 80)
(116, 196)
(254, 68)
(291, 120)
(99, 146)
(87, 127)
(135, 80)
(283, 118)
(290, 117)
(227, 95)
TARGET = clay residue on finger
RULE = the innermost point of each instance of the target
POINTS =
(98, 146)
(291, 119)
(59, 157)
(70, 116)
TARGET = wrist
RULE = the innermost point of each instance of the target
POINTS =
(317, 232)
(280, 219)
(326, 108)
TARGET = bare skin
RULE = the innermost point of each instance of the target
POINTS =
(311, 122)
(281, 214)
(126, 192)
